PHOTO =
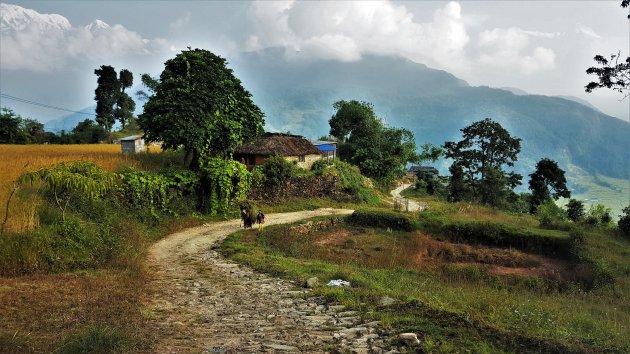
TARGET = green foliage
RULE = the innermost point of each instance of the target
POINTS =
(353, 183)
(547, 176)
(480, 155)
(575, 210)
(381, 218)
(154, 191)
(550, 215)
(112, 102)
(67, 181)
(624, 222)
(88, 132)
(277, 171)
(96, 339)
(222, 181)
(379, 151)
(14, 129)
(612, 74)
(199, 104)
(598, 215)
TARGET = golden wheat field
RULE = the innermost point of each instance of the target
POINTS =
(17, 159)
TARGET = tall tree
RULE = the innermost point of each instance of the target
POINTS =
(380, 152)
(201, 106)
(112, 102)
(150, 85)
(11, 127)
(547, 176)
(485, 148)
(125, 105)
(106, 96)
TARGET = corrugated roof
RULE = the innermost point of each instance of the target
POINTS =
(323, 142)
(278, 144)
(326, 147)
(131, 138)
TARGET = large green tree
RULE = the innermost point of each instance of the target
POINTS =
(547, 176)
(112, 102)
(201, 106)
(481, 155)
(379, 151)
(11, 127)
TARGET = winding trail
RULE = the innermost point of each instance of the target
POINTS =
(200, 302)
(408, 204)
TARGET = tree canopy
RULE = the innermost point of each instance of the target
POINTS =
(547, 176)
(199, 104)
(379, 151)
(112, 102)
(479, 159)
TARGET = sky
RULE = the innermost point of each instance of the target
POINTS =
(541, 47)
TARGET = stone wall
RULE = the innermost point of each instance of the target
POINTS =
(309, 160)
(300, 186)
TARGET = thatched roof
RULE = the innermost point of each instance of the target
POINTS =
(278, 144)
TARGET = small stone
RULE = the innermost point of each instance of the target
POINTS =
(281, 347)
(311, 282)
(410, 339)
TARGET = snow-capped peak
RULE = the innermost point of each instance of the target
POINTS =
(17, 18)
(97, 25)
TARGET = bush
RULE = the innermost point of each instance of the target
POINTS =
(624, 222)
(277, 171)
(492, 234)
(598, 215)
(575, 210)
(382, 219)
(550, 215)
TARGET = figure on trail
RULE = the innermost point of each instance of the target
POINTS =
(247, 214)
(261, 220)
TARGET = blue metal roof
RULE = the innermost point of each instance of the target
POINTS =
(326, 147)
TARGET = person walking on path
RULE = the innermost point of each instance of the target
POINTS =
(261, 220)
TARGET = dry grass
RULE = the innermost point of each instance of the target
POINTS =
(41, 312)
(17, 159)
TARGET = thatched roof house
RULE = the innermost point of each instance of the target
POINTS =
(291, 147)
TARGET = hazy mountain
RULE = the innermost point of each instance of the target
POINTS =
(580, 101)
(68, 122)
(297, 97)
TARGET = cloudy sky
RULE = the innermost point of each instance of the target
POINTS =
(49, 49)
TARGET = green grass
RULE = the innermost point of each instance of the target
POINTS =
(467, 308)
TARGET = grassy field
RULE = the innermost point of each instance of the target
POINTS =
(462, 297)
(17, 159)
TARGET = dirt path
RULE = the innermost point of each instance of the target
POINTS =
(408, 204)
(200, 302)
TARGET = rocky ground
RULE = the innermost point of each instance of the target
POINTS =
(201, 302)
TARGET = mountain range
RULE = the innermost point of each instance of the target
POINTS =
(297, 96)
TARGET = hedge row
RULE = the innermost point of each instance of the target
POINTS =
(382, 218)
(496, 235)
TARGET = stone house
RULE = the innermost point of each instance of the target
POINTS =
(132, 144)
(291, 147)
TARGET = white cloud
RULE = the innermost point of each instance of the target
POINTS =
(347, 30)
(510, 49)
(579, 28)
(33, 41)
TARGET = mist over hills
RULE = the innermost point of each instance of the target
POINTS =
(297, 96)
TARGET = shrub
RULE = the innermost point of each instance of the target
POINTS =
(381, 218)
(550, 215)
(575, 210)
(624, 222)
(277, 171)
(598, 215)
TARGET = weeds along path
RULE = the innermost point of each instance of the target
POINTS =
(407, 203)
(200, 302)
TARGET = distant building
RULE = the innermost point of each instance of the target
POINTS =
(328, 149)
(291, 147)
(132, 144)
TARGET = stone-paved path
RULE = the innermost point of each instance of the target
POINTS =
(200, 302)
(408, 204)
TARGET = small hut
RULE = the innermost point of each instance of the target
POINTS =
(291, 147)
(132, 144)
(328, 149)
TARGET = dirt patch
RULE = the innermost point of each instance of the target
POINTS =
(333, 238)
